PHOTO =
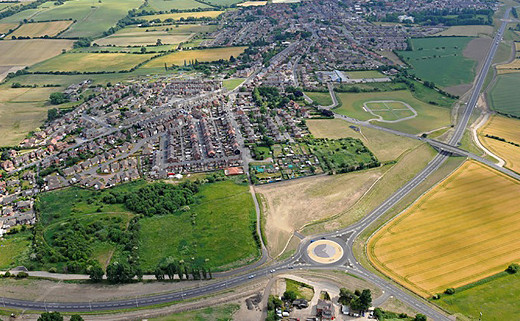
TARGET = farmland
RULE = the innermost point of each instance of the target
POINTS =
(496, 299)
(21, 110)
(40, 29)
(507, 129)
(441, 60)
(505, 96)
(5, 27)
(184, 15)
(459, 232)
(429, 116)
(166, 5)
(92, 18)
(217, 227)
(28, 52)
(91, 62)
(466, 31)
(203, 55)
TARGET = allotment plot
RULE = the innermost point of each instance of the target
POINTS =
(463, 230)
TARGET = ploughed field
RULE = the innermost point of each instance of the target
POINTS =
(463, 230)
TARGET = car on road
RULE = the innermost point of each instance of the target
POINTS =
(251, 276)
(272, 271)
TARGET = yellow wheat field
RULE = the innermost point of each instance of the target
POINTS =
(463, 230)
(41, 29)
(509, 129)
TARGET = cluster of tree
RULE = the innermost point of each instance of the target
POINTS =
(82, 43)
(170, 267)
(11, 10)
(381, 314)
(161, 198)
(58, 98)
(269, 97)
(56, 316)
(450, 17)
(357, 300)
(513, 268)
(514, 12)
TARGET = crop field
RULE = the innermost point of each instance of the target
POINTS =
(40, 29)
(182, 29)
(252, 4)
(441, 60)
(167, 5)
(461, 231)
(183, 15)
(225, 3)
(92, 17)
(507, 129)
(29, 52)
(178, 58)
(496, 299)
(466, 31)
(91, 62)
(5, 27)
(150, 38)
(505, 96)
(429, 116)
(218, 227)
(22, 110)
(322, 99)
(513, 66)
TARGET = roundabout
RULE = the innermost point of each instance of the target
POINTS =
(325, 251)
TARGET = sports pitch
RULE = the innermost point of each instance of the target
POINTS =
(390, 111)
(461, 231)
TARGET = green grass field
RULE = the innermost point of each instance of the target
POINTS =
(322, 99)
(302, 290)
(91, 62)
(496, 299)
(13, 248)
(429, 116)
(92, 17)
(218, 313)
(504, 95)
(166, 5)
(441, 60)
(218, 227)
(232, 83)
(364, 74)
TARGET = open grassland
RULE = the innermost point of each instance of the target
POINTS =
(5, 27)
(218, 313)
(91, 62)
(320, 98)
(290, 205)
(461, 231)
(505, 96)
(364, 74)
(29, 52)
(92, 18)
(467, 31)
(40, 29)
(507, 129)
(183, 15)
(218, 227)
(302, 290)
(21, 111)
(203, 55)
(13, 248)
(167, 5)
(385, 146)
(441, 60)
(429, 116)
(496, 299)
(232, 83)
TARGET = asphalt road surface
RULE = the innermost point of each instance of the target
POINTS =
(298, 261)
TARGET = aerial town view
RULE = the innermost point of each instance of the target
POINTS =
(254, 160)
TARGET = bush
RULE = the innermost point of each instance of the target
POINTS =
(7, 274)
(22, 275)
(513, 268)
(53, 270)
(450, 291)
